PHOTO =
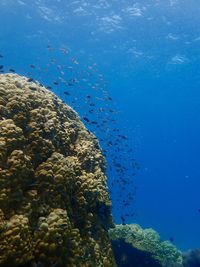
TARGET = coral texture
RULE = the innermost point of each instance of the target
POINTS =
(54, 203)
(147, 241)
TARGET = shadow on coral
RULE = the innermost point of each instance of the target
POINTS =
(128, 256)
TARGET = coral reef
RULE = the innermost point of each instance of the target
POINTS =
(134, 246)
(191, 258)
(54, 203)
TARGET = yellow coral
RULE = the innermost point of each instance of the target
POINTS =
(54, 202)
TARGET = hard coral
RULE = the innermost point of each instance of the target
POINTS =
(54, 203)
(147, 248)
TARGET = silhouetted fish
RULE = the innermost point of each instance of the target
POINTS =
(86, 119)
(11, 70)
(30, 80)
(123, 220)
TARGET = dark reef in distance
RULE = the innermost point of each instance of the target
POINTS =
(191, 258)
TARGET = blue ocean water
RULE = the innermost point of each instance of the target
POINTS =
(139, 61)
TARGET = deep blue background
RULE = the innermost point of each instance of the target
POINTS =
(149, 52)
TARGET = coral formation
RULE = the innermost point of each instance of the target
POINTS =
(155, 251)
(54, 203)
(191, 258)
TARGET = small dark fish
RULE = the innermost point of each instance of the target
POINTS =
(56, 83)
(49, 87)
(70, 84)
(86, 119)
(1, 67)
(108, 98)
(64, 51)
(118, 165)
(123, 220)
(30, 80)
(198, 210)
(66, 93)
(49, 47)
(11, 70)
(123, 136)
(72, 80)
(32, 66)
(171, 239)
(1, 56)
